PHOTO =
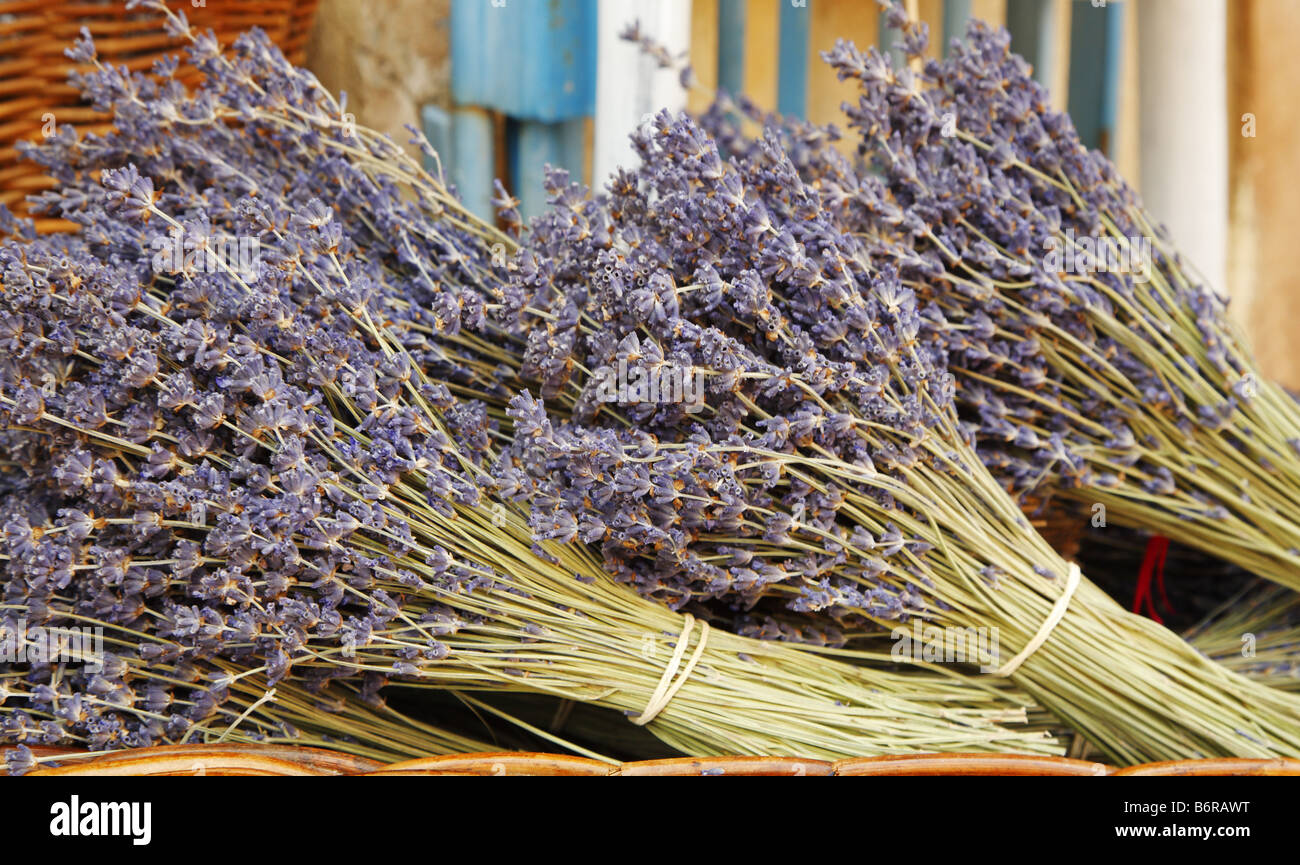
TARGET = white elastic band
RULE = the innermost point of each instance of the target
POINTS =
(667, 688)
(1058, 612)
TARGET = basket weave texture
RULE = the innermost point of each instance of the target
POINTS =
(34, 89)
(290, 760)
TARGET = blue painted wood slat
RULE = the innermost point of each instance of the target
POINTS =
(435, 123)
(533, 146)
(731, 46)
(472, 164)
(955, 15)
(1096, 51)
(530, 60)
(1032, 24)
(795, 31)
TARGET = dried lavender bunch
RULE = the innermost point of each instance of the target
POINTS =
(363, 542)
(145, 690)
(377, 277)
(1256, 633)
(261, 127)
(1093, 360)
(825, 464)
(120, 684)
(195, 144)
(306, 249)
(132, 703)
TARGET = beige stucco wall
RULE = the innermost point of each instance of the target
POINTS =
(390, 56)
(1264, 277)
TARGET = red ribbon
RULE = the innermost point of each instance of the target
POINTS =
(1153, 565)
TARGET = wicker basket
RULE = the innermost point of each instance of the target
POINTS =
(289, 760)
(34, 71)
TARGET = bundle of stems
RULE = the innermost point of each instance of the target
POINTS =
(209, 702)
(1255, 633)
(1094, 361)
(1231, 736)
(441, 528)
(826, 464)
(271, 445)
(446, 590)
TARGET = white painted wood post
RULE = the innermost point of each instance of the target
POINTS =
(630, 85)
(1183, 108)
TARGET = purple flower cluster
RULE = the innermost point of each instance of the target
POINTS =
(283, 466)
(179, 480)
(1091, 359)
(320, 465)
(726, 269)
(828, 470)
(210, 456)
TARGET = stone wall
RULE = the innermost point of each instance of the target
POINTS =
(389, 56)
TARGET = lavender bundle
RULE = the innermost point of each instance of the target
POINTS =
(1092, 359)
(821, 461)
(287, 446)
(351, 548)
(130, 704)
(1255, 633)
(69, 678)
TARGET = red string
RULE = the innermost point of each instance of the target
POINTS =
(1153, 565)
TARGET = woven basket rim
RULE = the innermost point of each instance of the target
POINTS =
(285, 759)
